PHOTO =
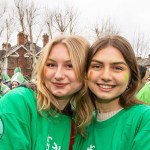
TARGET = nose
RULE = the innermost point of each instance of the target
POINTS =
(106, 74)
(59, 75)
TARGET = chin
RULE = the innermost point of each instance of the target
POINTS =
(58, 94)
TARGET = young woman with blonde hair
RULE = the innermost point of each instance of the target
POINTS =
(43, 118)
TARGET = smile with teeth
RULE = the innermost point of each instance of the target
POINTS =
(105, 86)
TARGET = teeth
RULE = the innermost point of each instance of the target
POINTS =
(105, 86)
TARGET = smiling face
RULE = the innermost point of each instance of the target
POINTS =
(14, 84)
(60, 78)
(108, 75)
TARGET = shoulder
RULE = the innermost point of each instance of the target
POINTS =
(146, 88)
(140, 111)
(18, 99)
(19, 92)
(141, 108)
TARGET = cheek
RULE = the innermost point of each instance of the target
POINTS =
(45, 71)
(45, 75)
(79, 85)
(90, 75)
(123, 79)
(126, 77)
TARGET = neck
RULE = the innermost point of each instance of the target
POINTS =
(63, 103)
(108, 107)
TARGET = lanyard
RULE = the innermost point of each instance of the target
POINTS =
(72, 135)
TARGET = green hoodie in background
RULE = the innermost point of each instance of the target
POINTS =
(144, 93)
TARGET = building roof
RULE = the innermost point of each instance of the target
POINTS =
(14, 48)
(144, 61)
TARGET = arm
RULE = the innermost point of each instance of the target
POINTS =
(17, 111)
(142, 138)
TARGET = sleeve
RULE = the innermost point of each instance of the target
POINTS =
(144, 94)
(15, 119)
(142, 138)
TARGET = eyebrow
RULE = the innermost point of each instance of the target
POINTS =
(113, 63)
(50, 59)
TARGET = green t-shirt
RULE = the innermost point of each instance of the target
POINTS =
(129, 129)
(144, 93)
(23, 128)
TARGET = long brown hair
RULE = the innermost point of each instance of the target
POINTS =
(127, 98)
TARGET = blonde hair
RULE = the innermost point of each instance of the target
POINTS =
(77, 48)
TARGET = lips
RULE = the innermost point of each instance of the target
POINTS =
(57, 84)
(105, 87)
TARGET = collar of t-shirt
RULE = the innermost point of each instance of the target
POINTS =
(105, 116)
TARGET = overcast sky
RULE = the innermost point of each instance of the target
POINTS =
(130, 16)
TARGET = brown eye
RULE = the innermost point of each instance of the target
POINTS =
(51, 65)
(69, 66)
(117, 68)
(96, 66)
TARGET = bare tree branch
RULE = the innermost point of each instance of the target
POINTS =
(105, 27)
(49, 21)
(65, 20)
(19, 4)
(2, 13)
(140, 45)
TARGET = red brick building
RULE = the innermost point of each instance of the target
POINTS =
(18, 55)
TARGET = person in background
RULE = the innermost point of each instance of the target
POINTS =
(42, 117)
(17, 69)
(143, 93)
(121, 121)
(144, 75)
(0, 72)
(0, 77)
(17, 79)
(3, 88)
(6, 79)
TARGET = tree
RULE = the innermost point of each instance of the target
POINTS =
(9, 27)
(20, 13)
(8, 24)
(27, 13)
(140, 45)
(66, 20)
(104, 27)
(2, 14)
(49, 21)
(73, 18)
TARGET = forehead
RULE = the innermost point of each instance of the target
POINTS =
(59, 50)
(59, 47)
(109, 54)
